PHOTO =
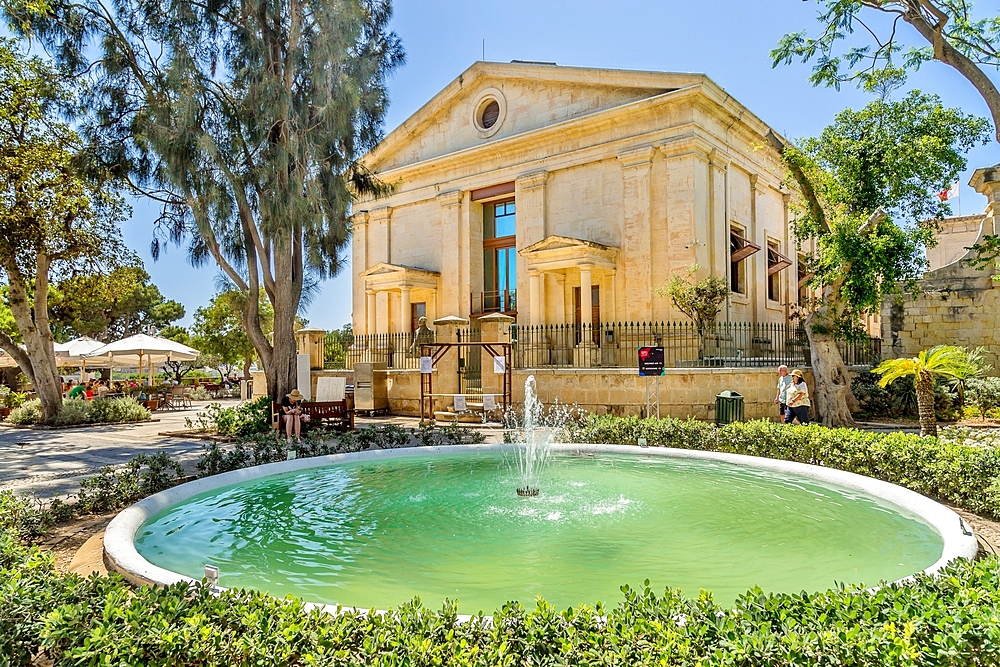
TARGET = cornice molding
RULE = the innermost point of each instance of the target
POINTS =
(450, 198)
(636, 157)
(532, 180)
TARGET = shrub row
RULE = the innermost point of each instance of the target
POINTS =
(966, 475)
(952, 619)
(79, 411)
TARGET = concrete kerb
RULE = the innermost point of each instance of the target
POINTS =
(121, 555)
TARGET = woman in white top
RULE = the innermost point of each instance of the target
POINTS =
(797, 399)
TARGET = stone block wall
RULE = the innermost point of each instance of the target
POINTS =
(954, 307)
(683, 392)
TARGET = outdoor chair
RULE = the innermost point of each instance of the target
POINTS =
(180, 397)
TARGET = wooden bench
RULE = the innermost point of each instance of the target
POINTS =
(335, 413)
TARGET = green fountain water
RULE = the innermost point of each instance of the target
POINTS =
(377, 533)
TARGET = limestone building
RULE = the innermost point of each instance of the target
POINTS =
(565, 195)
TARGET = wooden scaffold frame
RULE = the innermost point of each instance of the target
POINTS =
(436, 352)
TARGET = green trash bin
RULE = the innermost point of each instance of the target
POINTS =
(728, 408)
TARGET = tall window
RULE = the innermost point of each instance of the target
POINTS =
(739, 249)
(776, 263)
(500, 256)
(417, 310)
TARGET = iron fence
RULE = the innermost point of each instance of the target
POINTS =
(685, 345)
(395, 350)
(614, 345)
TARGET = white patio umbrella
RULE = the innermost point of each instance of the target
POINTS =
(142, 348)
(72, 354)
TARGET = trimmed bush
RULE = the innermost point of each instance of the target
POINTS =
(74, 411)
(965, 475)
(30, 412)
(946, 620)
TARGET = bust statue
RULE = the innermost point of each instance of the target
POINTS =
(420, 336)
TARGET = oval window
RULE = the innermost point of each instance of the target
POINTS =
(489, 114)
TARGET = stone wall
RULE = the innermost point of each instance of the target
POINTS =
(683, 392)
(957, 304)
(954, 307)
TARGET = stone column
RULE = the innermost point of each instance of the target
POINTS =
(312, 341)
(404, 310)
(637, 166)
(586, 296)
(370, 326)
(535, 299)
(446, 379)
(529, 191)
(382, 312)
(452, 297)
(359, 264)
(584, 353)
(986, 182)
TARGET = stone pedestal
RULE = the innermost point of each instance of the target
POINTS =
(312, 341)
(446, 380)
(495, 329)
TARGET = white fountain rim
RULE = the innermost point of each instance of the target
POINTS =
(122, 556)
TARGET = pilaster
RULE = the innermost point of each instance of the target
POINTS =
(451, 297)
(636, 236)
(529, 194)
(359, 264)
(379, 242)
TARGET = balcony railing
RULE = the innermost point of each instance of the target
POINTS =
(497, 301)
(724, 344)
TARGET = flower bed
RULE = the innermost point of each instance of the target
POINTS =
(78, 411)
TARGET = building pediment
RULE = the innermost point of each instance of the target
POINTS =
(528, 96)
(555, 253)
(384, 276)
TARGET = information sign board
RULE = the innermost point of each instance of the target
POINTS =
(650, 361)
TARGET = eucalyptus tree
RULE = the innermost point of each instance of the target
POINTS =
(245, 119)
(868, 188)
(54, 221)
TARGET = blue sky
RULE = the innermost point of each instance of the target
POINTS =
(727, 39)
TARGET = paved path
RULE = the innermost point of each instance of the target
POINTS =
(52, 462)
(49, 463)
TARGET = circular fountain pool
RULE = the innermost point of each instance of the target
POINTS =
(375, 530)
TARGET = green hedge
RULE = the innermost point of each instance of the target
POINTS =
(952, 619)
(967, 476)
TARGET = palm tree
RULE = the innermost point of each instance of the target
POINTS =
(947, 361)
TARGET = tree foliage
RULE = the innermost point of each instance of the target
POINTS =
(947, 31)
(246, 119)
(942, 361)
(109, 306)
(219, 330)
(869, 187)
(54, 221)
(701, 300)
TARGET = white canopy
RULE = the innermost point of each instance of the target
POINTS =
(143, 349)
(72, 353)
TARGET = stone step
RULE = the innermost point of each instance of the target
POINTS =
(462, 417)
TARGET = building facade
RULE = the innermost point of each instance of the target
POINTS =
(565, 195)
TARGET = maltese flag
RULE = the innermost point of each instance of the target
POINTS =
(950, 193)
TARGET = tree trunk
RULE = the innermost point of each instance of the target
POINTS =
(832, 392)
(925, 404)
(282, 372)
(38, 350)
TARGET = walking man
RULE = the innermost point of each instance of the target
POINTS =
(784, 382)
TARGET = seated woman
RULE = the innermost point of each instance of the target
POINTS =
(291, 413)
